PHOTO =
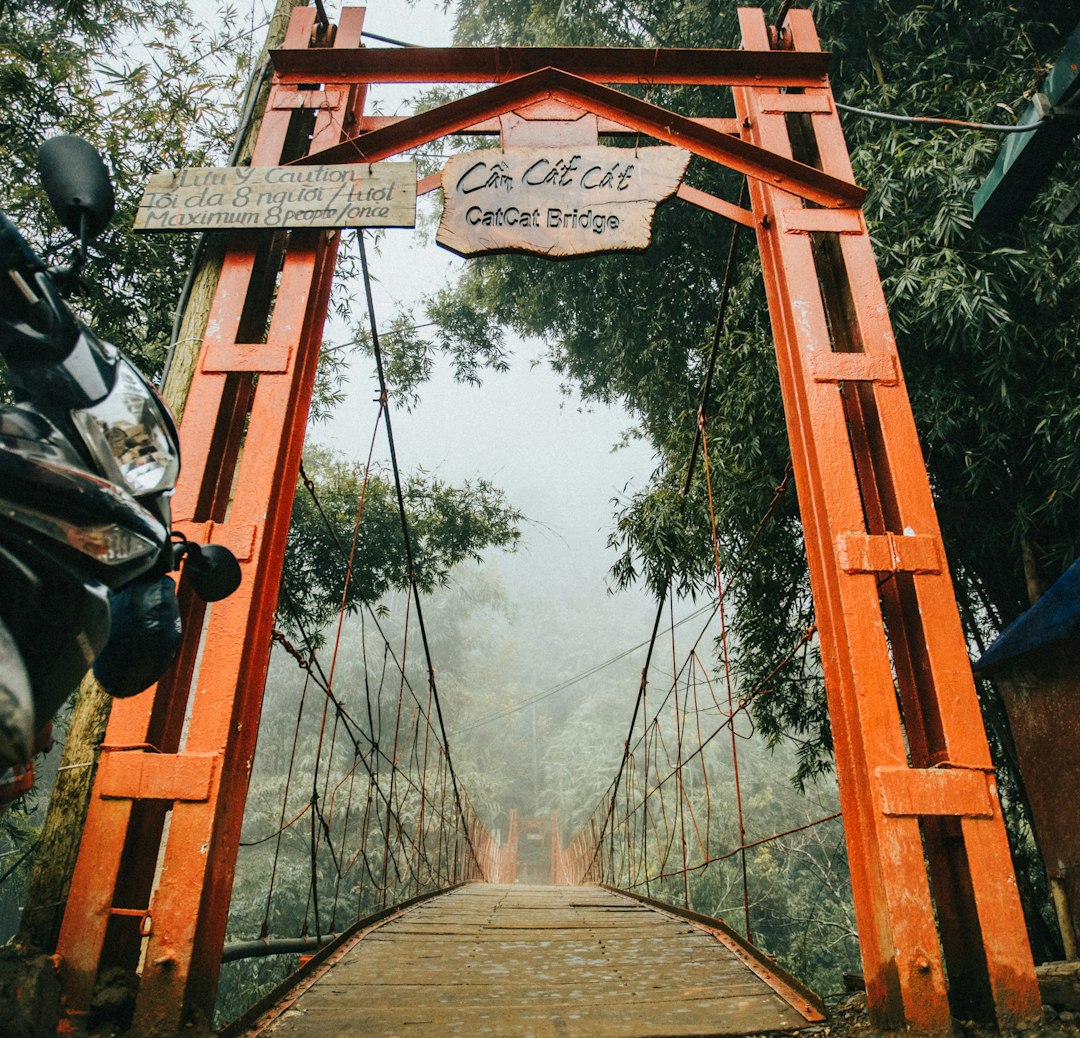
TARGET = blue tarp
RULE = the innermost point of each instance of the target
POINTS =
(1055, 616)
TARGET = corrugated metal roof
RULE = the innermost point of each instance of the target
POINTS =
(1055, 616)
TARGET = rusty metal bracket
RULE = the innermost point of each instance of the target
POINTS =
(888, 553)
(956, 792)
(239, 538)
(781, 104)
(317, 99)
(137, 775)
(881, 368)
(221, 358)
(835, 221)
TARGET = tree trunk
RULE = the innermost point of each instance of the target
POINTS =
(54, 862)
(1035, 587)
(211, 249)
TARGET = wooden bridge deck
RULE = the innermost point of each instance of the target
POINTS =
(534, 961)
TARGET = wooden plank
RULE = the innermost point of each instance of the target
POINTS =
(614, 1021)
(487, 960)
(572, 200)
(378, 195)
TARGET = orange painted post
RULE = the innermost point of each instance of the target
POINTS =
(558, 860)
(912, 758)
(155, 869)
(935, 895)
(510, 848)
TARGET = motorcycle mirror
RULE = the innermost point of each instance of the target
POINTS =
(78, 185)
(213, 571)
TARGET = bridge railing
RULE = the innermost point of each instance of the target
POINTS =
(701, 816)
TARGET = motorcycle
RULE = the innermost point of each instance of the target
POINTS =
(89, 457)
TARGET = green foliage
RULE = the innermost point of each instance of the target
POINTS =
(20, 828)
(152, 89)
(477, 340)
(987, 328)
(448, 525)
(467, 333)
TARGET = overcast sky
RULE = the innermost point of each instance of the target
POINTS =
(552, 457)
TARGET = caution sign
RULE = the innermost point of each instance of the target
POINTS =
(280, 197)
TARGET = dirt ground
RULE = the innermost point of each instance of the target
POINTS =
(850, 1019)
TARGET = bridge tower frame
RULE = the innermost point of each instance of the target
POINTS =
(935, 894)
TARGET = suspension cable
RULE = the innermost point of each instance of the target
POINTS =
(524, 704)
(706, 390)
(727, 667)
(408, 537)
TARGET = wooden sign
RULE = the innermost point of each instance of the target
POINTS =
(379, 195)
(559, 201)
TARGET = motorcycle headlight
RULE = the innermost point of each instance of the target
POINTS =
(108, 543)
(131, 436)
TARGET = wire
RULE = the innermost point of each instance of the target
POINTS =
(745, 700)
(929, 120)
(569, 682)
(311, 665)
(388, 39)
(721, 316)
(713, 609)
(407, 536)
(727, 668)
(742, 848)
(310, 487)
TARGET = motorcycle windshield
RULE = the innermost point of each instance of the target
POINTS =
(131, 436)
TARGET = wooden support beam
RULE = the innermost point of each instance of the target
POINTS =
(940, 923)
(638, 65)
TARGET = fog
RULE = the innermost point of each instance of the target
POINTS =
(564, 464)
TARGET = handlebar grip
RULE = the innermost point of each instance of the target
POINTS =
(36, 326)
(15, 254)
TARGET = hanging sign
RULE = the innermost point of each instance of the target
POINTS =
(558, 201)
(280, 197)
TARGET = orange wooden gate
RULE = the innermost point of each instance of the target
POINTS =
(936, 900)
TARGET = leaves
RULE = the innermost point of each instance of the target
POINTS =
(448, 525)
(151, 89)
(987, 328)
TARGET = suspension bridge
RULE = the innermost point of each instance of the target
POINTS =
(372, 816)
(491, 959)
